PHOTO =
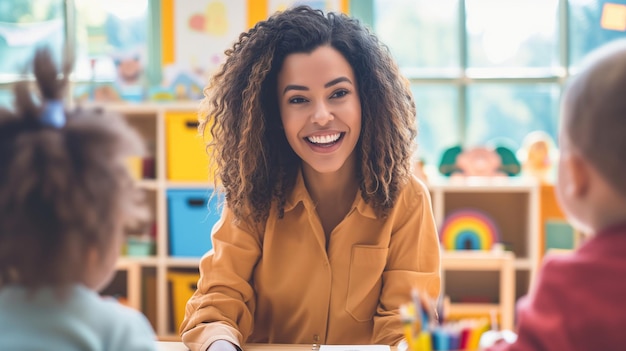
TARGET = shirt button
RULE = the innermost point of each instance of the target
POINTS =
(316, 343)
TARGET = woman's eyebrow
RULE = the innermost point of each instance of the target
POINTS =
(327, 85)
(336, 81)
(294, 87)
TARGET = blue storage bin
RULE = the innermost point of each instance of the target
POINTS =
(191, 220)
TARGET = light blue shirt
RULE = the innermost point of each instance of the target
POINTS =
(82, 320)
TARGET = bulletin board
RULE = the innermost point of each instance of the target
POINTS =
(195, 33)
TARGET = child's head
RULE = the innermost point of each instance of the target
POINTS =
(592, 141)
(65, 191)
(256, 163)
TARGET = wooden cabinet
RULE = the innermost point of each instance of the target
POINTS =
(480, 281)
(144, 279)
(473, 261)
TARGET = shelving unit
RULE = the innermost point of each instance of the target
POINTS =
(133, 281)
(513, 204)
(154, 300)
(501, 262)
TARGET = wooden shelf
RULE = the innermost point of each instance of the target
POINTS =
(189, 185)
(483, 184)
(513, 204)
(471, 260)
(485, 261)
(133, 282)
(183, 262)
(148, 184)
(472, 309)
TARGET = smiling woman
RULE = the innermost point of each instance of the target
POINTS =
(324, 231)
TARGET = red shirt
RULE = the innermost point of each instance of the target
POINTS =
(579, 301)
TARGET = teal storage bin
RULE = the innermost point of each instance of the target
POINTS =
(559, 235)
(192, 214)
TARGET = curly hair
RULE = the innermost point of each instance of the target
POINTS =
(256, 166)
(63, 189)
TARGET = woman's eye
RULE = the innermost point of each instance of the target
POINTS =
(340, 93)
(297, 100)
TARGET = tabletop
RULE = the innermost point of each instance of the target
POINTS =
(178, 346)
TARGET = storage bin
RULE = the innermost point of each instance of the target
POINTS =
(139, 246)
(187, 159)
(191, 215)
(135, 167)
(559, 235)
(182, 286)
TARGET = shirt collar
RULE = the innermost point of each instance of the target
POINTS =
(299, 194)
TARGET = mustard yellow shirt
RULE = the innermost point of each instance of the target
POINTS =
(282, 285)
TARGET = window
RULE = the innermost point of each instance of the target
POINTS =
(503, 114)
(109, 41)
(593, 23)
(24, 26)
(109, 33)
(422, 35)
(488, 72)
(435, 134)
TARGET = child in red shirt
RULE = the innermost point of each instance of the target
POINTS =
(579, 301)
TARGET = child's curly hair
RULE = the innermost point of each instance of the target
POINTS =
(256, 166)
(63, 189)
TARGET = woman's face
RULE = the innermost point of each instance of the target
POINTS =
(320, 108)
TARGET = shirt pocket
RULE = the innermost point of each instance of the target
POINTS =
(367, 264)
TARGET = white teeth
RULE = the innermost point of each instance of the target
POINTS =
(324, 139)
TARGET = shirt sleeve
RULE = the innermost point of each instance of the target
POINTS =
(413, 261)
(223, 305)
(131, 332)
(542, 321)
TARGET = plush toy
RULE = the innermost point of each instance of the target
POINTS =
(479, 161)
(538, 154)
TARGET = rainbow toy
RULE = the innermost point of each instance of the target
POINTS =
(468, 229)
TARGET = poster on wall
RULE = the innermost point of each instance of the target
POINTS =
(326, 5)
(203, 30)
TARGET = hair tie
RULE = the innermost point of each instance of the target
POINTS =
(53, 114)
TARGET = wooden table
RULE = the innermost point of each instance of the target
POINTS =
(178, 346)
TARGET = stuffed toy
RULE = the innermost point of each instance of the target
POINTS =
(481, 161)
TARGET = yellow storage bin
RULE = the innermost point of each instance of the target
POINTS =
(135, 167)
(186, 158)
(182, 286)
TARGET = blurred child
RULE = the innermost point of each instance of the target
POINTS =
(579, 300)
(66, 197)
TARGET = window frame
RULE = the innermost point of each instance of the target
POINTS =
(364, 10)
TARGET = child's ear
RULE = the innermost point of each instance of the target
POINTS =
(579, 169)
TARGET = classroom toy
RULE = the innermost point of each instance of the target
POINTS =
(538, 155)
(468, 229)
(481, 161)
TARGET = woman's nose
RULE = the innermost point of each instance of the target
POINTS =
(322, 114)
